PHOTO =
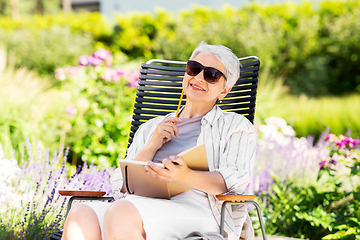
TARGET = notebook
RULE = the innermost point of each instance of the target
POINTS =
(138, 182)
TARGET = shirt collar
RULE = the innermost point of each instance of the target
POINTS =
(212, 116)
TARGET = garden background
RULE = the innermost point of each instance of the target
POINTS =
(68, 84)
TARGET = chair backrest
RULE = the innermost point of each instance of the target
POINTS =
(160, 88)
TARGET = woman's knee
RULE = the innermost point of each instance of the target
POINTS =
(81, 223)
(123, 218)
(81, 212)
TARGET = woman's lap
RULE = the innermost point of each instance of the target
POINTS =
(166, 219)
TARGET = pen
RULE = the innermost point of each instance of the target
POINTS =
(178, 108)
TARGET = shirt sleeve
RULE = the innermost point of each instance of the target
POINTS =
(140, 138)
(237, 158)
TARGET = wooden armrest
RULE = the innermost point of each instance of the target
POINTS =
(75, 193)
(234, 197)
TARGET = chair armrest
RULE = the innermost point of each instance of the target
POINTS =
(75, 193)
(235, 197)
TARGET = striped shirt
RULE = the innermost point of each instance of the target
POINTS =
(230, 142)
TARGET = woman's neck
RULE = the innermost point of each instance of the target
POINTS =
(192, 110)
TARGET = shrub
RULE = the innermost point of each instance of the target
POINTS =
(46, 49)
(99, 116)
(307, 191)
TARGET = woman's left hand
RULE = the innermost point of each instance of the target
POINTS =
(176, 170)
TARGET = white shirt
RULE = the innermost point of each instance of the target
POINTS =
(230, 142)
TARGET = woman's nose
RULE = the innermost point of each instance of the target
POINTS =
(200, 75)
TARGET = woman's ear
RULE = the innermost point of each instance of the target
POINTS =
(224, 93)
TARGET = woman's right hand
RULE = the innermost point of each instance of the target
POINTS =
(164, 132)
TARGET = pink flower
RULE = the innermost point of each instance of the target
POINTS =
(83, 60)
(112, 75)
(102, 54)
(117, 75)
(107, 75)
(322, 164)
(133, 78)
(95, 61)
(71, 111)
(330, 137)
(355, 142)
(73, 70)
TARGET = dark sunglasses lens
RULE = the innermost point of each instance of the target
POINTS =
(211, 75)
(193, 68)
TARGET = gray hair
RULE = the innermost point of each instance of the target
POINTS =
(226, 57)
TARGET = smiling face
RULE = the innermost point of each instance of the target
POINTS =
(199, 90)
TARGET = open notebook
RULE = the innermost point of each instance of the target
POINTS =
(138, 182)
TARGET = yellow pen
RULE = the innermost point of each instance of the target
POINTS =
(178, 108)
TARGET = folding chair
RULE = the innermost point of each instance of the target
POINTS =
(158, 94)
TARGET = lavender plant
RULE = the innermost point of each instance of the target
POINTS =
(283, 156)
(31, 207)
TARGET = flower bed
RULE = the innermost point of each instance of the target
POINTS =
(300, 195)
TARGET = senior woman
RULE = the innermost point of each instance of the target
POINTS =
(230, 142)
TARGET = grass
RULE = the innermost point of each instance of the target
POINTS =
(26, 100)
(308, 116)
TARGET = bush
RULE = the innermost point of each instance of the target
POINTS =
(46, 49)
(99, 116)
(316, 50)
(308, 192)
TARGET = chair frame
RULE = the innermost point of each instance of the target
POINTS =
(250, 74)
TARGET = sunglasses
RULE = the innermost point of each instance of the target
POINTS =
(211, 75)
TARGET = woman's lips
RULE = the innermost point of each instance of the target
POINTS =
(196, 87)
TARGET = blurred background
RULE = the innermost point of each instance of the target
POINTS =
(68, 77)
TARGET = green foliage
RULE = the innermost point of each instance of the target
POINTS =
(46, 49)
(99, 115)
(136, 34)
(29, 108)
(315, 50)
(310, 116)
(325, 209)
(45, 43)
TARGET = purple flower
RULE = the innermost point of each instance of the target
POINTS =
(84, 60)
(322, 164)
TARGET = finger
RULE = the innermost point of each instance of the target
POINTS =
(169, 130)
(177, 160)
(155, 169)
(173, 120)
(173, 127)
(168, 164)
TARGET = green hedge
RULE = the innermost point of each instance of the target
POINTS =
(317, 49)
